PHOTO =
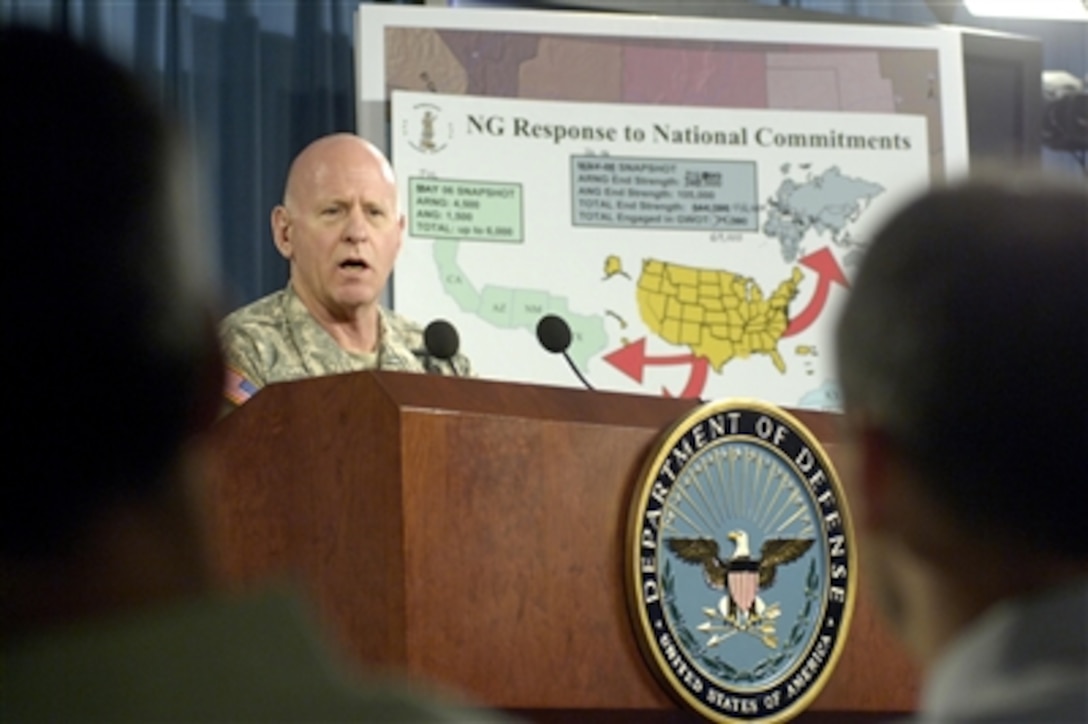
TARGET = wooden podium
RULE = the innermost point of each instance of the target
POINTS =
(471, 533)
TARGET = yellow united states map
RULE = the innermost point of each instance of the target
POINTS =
(720, 315)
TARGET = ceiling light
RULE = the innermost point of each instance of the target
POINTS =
(1033, 10)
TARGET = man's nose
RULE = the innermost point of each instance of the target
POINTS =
(356, 229)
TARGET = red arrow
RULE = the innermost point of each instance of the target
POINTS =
(828, 271)
(694, 388)
(631, 359)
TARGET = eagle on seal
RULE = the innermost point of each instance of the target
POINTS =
(740, 573)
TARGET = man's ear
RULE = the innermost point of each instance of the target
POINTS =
(400, 233)
(281, 227)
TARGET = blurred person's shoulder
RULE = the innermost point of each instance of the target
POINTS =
(258, 658)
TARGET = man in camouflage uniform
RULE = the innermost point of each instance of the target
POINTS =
(340, 228)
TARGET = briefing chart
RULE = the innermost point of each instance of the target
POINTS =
(693, 251)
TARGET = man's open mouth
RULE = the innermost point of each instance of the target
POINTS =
(356, 264)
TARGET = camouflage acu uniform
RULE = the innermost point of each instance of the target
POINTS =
(275, 339)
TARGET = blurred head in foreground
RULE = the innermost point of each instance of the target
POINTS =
(107, 609)
(114, 364)
(963, 359)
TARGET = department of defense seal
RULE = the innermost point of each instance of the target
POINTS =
(740, 562)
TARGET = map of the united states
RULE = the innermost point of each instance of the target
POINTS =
(718, 314)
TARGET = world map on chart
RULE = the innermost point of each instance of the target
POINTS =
(825, 204)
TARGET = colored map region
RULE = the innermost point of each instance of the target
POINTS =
(824, 204)
(514, 308)
(719, 314)
(719, 74)
(826, 397)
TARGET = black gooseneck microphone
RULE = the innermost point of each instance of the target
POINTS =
(554, 335)
(442, 342)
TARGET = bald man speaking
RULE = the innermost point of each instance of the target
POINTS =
(340, 228)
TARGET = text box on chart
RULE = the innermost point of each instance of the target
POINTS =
(465, 210)
(656, 193)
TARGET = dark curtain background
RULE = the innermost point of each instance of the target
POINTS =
(253, 81)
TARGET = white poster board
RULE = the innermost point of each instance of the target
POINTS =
(691, 196)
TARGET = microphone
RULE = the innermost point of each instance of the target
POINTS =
(554, 335)
(442, 342)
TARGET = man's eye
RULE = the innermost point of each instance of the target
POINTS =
(330, 211)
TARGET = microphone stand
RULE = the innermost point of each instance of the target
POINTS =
(577, 372)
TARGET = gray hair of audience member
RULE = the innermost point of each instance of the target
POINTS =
(109, 332)
(965, 340)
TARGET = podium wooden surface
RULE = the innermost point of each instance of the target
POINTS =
(471, 533)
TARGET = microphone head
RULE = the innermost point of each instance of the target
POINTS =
(441, 340)
(553, 333)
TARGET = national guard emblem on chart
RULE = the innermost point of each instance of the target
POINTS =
(740, 563)
(425, 128)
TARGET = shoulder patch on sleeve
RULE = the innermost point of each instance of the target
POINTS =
(238, 388)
